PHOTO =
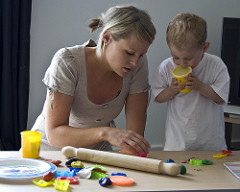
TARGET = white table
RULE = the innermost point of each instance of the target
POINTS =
(205, 178)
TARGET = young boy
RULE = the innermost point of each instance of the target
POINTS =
(195, 120)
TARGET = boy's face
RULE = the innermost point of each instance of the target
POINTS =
(187, 56)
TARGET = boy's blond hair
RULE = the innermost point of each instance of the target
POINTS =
(187, 30)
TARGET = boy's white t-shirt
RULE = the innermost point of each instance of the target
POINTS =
(194, 122)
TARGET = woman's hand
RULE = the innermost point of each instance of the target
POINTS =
(129, 141)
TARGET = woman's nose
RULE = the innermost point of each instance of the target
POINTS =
(134, 62)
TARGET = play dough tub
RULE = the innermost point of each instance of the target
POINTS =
(180, 73)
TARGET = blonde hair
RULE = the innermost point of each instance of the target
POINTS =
(187, 30)
(122, 21)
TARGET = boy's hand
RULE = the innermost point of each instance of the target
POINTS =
(175, 87)
(204, 89)
(193, 82)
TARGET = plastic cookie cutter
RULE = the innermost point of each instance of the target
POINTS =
(65, 173)
(226, 151)
(223, 154)
(42, 183)
(61, 185)
(73, 180)
(220, 155)
(75, 169)
(195, 162)
(200, 162)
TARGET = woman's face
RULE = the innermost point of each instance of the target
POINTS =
(123, 55)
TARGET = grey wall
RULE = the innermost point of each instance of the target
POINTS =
(61, 23)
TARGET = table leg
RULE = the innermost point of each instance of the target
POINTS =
(228, 134)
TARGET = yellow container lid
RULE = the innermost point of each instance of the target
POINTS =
(180, 72)
(28, 132)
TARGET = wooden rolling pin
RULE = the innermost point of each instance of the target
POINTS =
(122, 160)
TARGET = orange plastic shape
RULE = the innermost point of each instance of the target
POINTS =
(121, 180)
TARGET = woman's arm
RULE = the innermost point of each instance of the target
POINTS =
(60, 134)
(136, 115)
(58, 131)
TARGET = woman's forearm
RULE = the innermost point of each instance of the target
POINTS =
(64, 135)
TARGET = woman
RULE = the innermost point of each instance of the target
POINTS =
(89, 84)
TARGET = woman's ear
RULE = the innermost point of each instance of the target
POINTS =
(107, 37)
(206, 46)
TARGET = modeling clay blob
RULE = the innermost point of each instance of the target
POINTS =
(48, 176)
(121, 180)
(100, 168)
(68, 163)
(55, 162)
(141, 155)
(170, 161)
(77, 164)
(104, 181)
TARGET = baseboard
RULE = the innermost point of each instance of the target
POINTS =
(156, 147)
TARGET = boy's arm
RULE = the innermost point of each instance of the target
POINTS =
(170, 92)
(204, 89)
(207, 91)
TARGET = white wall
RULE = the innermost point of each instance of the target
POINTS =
(61, 23)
